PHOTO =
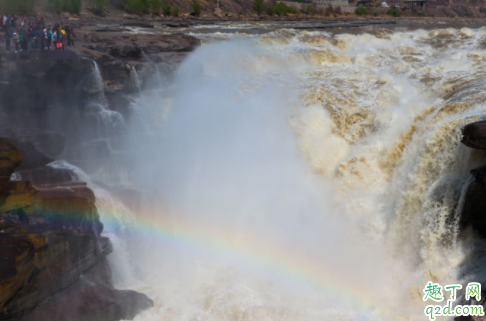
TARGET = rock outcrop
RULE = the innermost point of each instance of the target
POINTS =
(473, 212)
(474, 135)
(126, 63)
(122, 57)
(49, 143)
(71, 105)
(92, 298)
(125, 45)
(474, 208)
(52, 254)
(10, 158)
(82, 96)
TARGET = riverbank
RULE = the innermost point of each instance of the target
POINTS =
(135, 25)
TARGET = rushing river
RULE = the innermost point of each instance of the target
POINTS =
(302, 175)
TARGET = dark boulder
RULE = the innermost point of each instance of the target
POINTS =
(52, 78)
(179, 24)
(45, 233)
(474, 135)
(7, 167)
(120, 44)
(31, 157)
(92, 299)
(10, 158)
(8, 150)
(48, 142)
(126, 51)
(68, 209)
(112, 29)
(48, 176)
(138, 24)
(17, 265)
(16, 195)
(474, 208)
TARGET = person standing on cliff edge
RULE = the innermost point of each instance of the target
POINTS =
(48, 38)
(67, 29)
(3, 23)
(64, 36)
(8, 35)
(16, 38)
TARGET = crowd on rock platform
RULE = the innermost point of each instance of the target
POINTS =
(22, 34)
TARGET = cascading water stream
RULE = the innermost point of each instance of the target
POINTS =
(300, 175)
(108, 117)
(157, 74)
(114, 215)
(135, 79)
(101, 124)
(100, 88)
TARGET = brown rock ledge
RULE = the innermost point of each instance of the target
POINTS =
(52, 255)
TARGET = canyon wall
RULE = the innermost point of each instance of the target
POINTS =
(62, 105)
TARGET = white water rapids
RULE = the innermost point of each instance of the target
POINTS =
(302, 175)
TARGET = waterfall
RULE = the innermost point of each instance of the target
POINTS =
(157, 71)
(106, 122)
(98, 80)
(115, 217)
(298, 175)
(135, 79)
(159, 77)
(95, 85)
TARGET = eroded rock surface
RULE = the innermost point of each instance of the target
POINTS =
(70, 105)
(10, 158)
(92, 299)
(52, 254)
(474, 135)
(474, 208)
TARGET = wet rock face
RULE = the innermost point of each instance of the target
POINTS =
(31, 157)
(474, 210)
(7, 167)
(37, 80)
(10, 158)
(55, 90)
(132, 45)
(474, 135)
(47, 142)
(44, 233)
(131, 51)
(52, 255)
(92, 299)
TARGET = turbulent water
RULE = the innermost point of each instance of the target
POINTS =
(302, 175)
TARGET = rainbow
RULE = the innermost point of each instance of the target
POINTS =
(283, 262)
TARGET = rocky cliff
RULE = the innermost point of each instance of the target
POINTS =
(67, 105)
(84, 94)
(52, 254)
(474, 207)
(472, 211)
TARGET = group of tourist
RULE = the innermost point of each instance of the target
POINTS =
(34, 34)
